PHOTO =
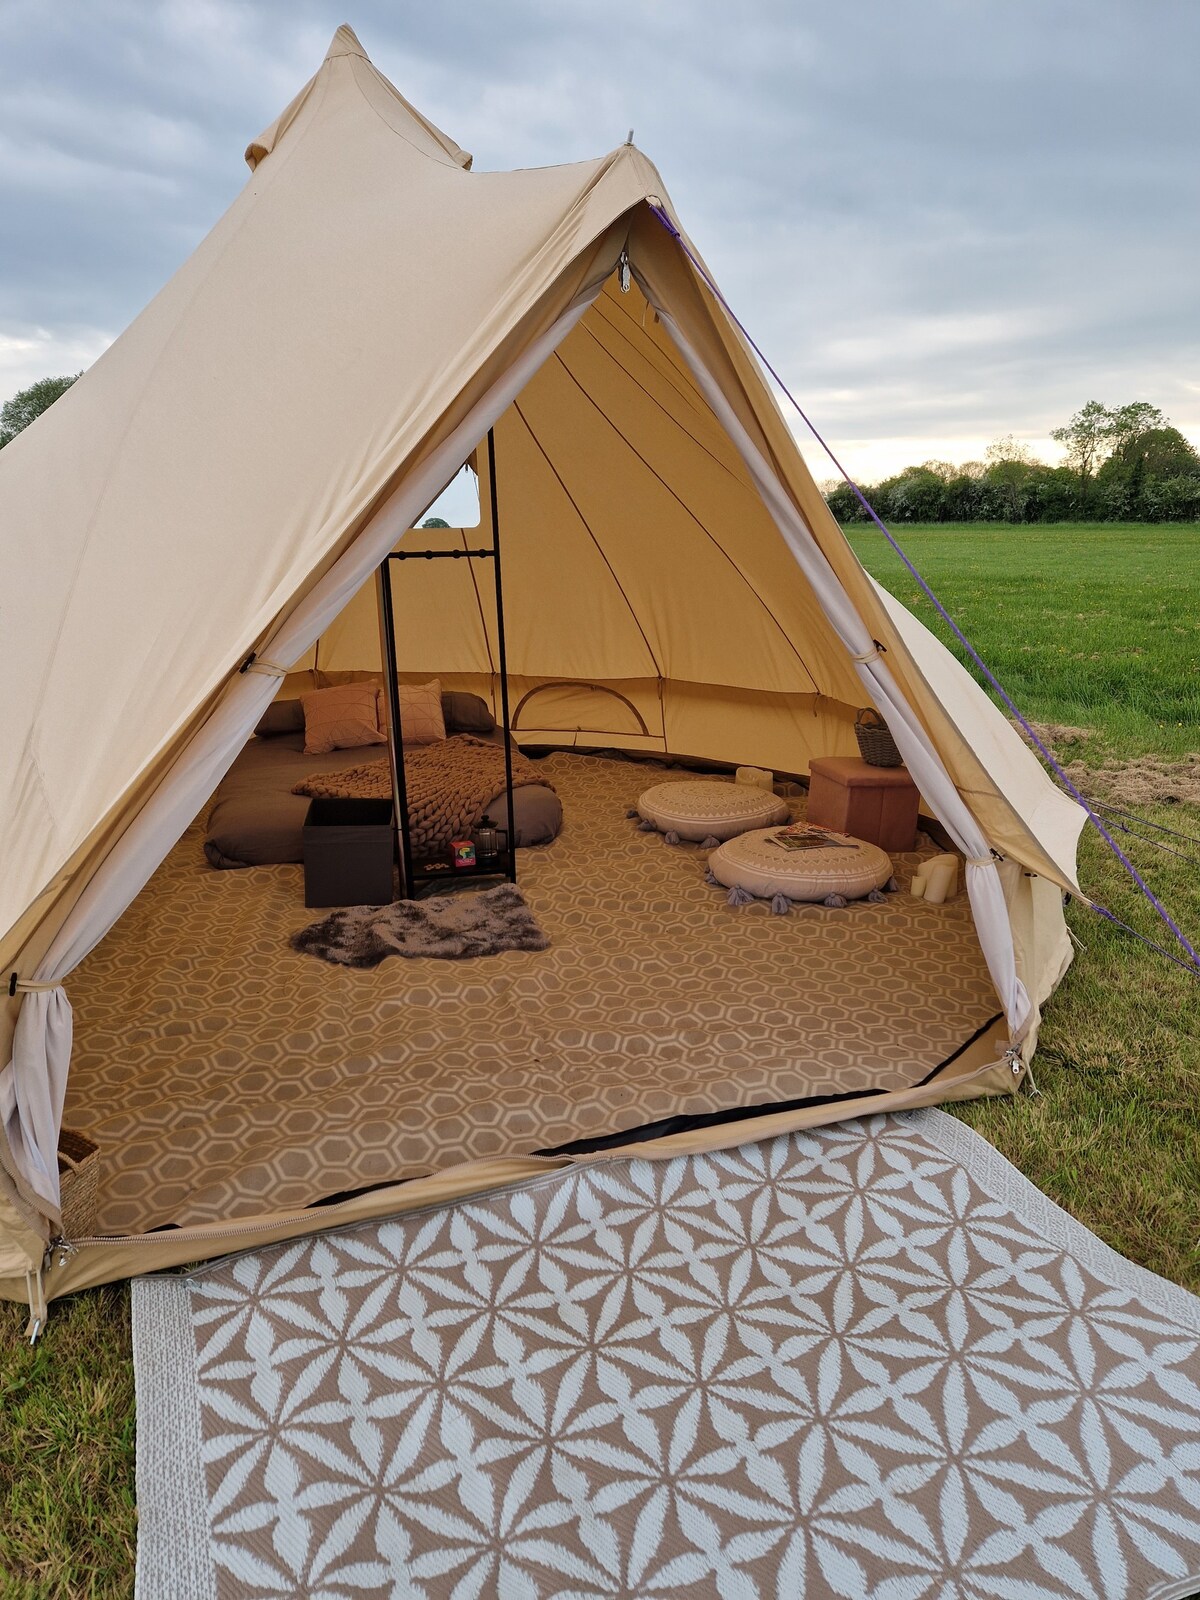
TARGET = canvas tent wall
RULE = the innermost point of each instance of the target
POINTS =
(220, 485)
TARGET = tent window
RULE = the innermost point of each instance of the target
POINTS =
(458, 504)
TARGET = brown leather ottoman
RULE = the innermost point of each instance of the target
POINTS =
(874, 803)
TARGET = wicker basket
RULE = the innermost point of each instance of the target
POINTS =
(875, 743)
(78, 1170)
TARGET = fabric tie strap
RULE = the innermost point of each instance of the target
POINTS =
(27, 986)
(869, 655)
(981, 861)
(270, 668)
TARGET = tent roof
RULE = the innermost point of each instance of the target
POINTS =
(406, 120)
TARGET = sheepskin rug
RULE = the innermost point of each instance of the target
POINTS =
(453, 927)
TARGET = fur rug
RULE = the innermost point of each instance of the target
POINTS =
(455, 927)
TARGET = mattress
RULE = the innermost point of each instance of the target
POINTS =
(256, 821)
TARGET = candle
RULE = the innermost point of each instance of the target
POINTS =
(942, 883)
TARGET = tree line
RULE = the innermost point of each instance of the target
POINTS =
(1123, 464)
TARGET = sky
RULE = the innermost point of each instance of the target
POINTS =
(945, 221)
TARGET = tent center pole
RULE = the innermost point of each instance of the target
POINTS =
(395, 743)
(502, 658)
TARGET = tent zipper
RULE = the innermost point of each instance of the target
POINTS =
(64, 1248)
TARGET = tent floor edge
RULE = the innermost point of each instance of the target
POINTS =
(980, 1071)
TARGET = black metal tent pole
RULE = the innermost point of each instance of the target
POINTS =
(502, 661)
(387, 636)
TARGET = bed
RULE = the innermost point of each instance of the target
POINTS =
(255, 820)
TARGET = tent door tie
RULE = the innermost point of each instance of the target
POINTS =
(270, 668)
(876, 649)
(28, 986)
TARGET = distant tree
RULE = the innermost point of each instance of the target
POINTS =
(963, 497)
(1128, 481)
(845, 504)
(1123, 462)
(1086, 440)
(1161, 451)
(1127, 423)
(914, 495)
(1010, 467)
(28, 405)
(434, 522)
(1174, 499)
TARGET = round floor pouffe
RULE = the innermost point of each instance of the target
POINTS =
(847, 870)
(700, 810)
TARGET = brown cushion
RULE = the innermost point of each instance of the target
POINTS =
(281, 716)
(341, 718)
(420, 712)
(462, 712)
(465, 713)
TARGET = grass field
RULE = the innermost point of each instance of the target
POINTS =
(1096, 627)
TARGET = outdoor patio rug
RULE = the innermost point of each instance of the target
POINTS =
(865, 1360)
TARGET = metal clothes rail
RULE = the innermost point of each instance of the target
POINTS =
(417, 876)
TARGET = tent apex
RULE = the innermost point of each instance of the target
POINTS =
(345, 42)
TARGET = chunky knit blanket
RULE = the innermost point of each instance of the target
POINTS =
(450, 785)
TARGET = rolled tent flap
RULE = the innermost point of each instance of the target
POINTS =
(670, 559)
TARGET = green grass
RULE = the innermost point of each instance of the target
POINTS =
(1090, 626)
(1094, 625)
(67, 1518)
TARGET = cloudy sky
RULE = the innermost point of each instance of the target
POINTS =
(944, 220)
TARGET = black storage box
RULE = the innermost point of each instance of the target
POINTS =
(348, 847)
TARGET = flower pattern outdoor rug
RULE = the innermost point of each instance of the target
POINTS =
(866, 1360)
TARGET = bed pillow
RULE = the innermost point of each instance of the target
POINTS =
(466, 713)
(420, 712)
(281, 716)
(341, 718)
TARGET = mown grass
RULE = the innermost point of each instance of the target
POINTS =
(1090, 626)
(67, 1517)
(1093, 625)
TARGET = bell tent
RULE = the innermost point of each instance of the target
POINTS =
(203, 514)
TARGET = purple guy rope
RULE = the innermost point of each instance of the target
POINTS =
(660, 212)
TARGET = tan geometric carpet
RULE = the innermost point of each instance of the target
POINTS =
(865, 1361)
(225, 1074)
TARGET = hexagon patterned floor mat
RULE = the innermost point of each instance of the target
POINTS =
(224, 1074)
